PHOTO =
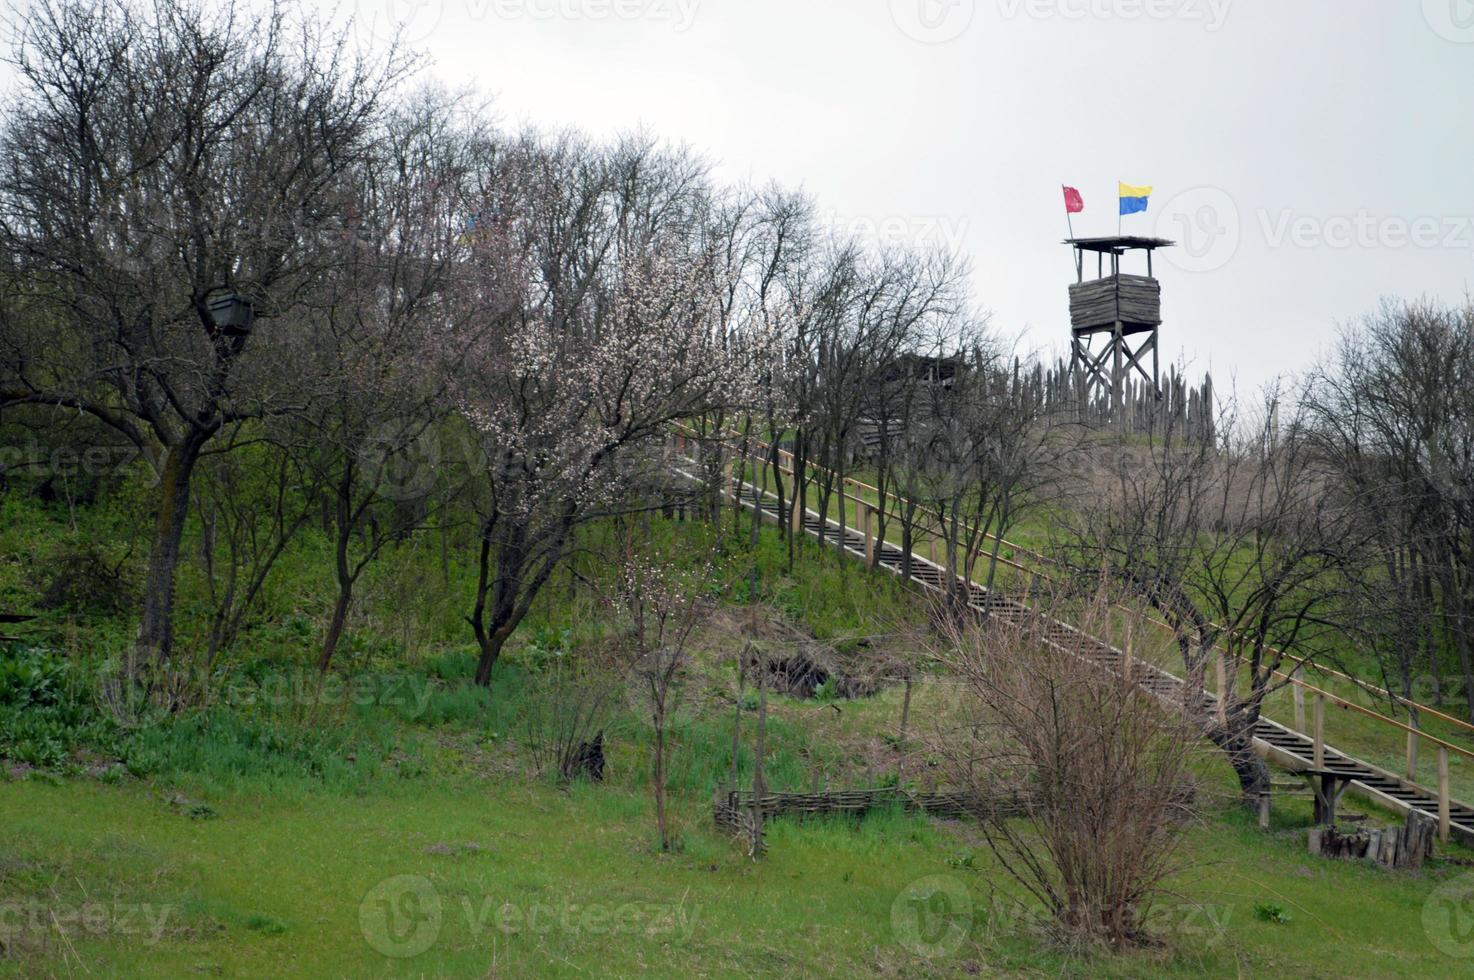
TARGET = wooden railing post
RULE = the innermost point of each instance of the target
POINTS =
(867, 515)
(1443, 819)
(1299, 695)
(1320, 730)
(1412, 757)
(931, 550)
(796, 519)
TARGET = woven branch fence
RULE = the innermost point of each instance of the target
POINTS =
(733, 809)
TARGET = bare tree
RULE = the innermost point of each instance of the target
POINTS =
(374, 427)
(664, 607)
(1090, 775)
(166, 175)
(1393, 415)
(1238, 546)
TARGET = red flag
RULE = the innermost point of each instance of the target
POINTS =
(1074, 203)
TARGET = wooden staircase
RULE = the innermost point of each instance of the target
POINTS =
(1279, 744)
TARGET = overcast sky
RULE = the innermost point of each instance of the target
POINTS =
(1312, 156)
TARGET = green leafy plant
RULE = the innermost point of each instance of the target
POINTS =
(1271, 912)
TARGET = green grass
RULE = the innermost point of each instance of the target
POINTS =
(327, 885)
(283, 830)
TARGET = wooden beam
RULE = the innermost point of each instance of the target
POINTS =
(1319, 751)
(1443, 808)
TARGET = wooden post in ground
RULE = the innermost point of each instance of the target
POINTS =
(1320, 730)
(1264, 810)
(1443, 819)
(1412, 757)
(796, 520)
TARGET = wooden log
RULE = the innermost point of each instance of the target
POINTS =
(1443, 818)
(1320, 731)
(1417, 842)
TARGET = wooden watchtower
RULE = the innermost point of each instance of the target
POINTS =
(1122, 309)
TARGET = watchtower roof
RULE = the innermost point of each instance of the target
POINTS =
(1117, 244)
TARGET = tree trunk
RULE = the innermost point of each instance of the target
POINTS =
(344, 523)
(491, 650)
(156, 629)
(659, 779)
(1238, 746)
(759, 779)
(335, 626)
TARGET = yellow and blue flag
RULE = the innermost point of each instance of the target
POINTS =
(1134, 199)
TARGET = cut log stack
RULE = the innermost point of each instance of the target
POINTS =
(1406, 847)
(730, 808)
(1099, 302)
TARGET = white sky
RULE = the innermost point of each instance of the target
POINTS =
(1312, 155)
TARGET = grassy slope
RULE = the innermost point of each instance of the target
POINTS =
(1347, 729)
(280, 887)
(276, 881)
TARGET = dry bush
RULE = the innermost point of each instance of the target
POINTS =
(1103, 768)
(569, 704)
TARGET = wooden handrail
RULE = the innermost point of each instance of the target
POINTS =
(1162, 624)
